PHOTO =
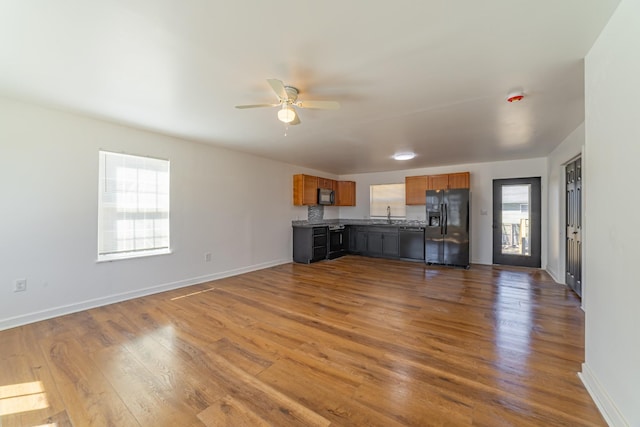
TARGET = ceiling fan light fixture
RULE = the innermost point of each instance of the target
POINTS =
(287, 99)
(286, 114)
(404, 156)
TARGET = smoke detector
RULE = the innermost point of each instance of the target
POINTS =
(515, 96)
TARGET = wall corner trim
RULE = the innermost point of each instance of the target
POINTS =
(607, 407)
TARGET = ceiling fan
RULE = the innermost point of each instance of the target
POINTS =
(288, 98)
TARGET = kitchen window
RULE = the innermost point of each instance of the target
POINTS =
(133, 206)
(382, 196)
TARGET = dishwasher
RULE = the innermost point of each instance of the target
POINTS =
(412, 243)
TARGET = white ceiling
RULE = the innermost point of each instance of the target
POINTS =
(430, 76)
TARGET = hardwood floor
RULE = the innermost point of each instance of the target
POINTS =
(353, 341)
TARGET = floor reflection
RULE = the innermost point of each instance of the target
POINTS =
(513, 320)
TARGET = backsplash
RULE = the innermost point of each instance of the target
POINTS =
(416, 213)
(315, 213)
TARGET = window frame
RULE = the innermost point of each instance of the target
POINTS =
(398, 204)
(120, 223)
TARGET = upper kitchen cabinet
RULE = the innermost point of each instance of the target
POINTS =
(326, 183)
(305, 190)
(415, 188)
(459, 180)
(345, 193)
(449, 181)
(438, 182)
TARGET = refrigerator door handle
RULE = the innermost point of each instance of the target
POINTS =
(446, 219)
(441, 218)
(467, 230)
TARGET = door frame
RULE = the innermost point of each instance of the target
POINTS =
(535, 227)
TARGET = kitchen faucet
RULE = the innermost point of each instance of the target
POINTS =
(389, 213)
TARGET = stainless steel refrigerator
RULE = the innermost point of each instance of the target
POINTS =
(447, 232)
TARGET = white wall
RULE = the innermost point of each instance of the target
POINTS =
(236, 206)
(482, 176)
(612, 123)
(570, 148)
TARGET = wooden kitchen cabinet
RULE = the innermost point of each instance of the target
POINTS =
(438, 182)
(415, 188)
(326, 183)
(345, 193)
(459, 180)
(449, 181)
(305, 190)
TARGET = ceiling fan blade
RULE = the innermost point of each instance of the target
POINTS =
(295, 121)
(321, 105)
(278, 88)
(256, 106)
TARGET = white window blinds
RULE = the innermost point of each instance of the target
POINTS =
(133, 206)
(383, 195)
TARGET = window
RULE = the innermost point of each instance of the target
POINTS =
(133, 206)
(382, 196)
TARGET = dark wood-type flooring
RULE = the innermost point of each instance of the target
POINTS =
(353, 341)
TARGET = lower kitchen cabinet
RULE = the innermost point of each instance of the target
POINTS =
(383, 242)
(313, 243)
(390, 247)
(354, 244)
(310, 244)
(350, 235)
(361, 240)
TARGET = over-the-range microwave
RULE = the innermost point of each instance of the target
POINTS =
(326, 196)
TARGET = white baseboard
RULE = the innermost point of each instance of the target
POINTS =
(554, 276)
(49, 313)
(481, 262)
(607, 407)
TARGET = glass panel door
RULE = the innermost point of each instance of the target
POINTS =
(516, 200)
(516, 221)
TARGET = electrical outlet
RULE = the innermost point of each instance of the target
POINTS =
(207, 257)
(20, 285)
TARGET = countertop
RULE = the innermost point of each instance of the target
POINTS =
(376, 222)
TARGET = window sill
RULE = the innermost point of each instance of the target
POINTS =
(132, 255)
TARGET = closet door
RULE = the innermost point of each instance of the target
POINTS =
(573, 266)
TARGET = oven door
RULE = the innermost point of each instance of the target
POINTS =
(336, 243)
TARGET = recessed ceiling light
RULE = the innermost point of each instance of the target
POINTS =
(404, 156)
